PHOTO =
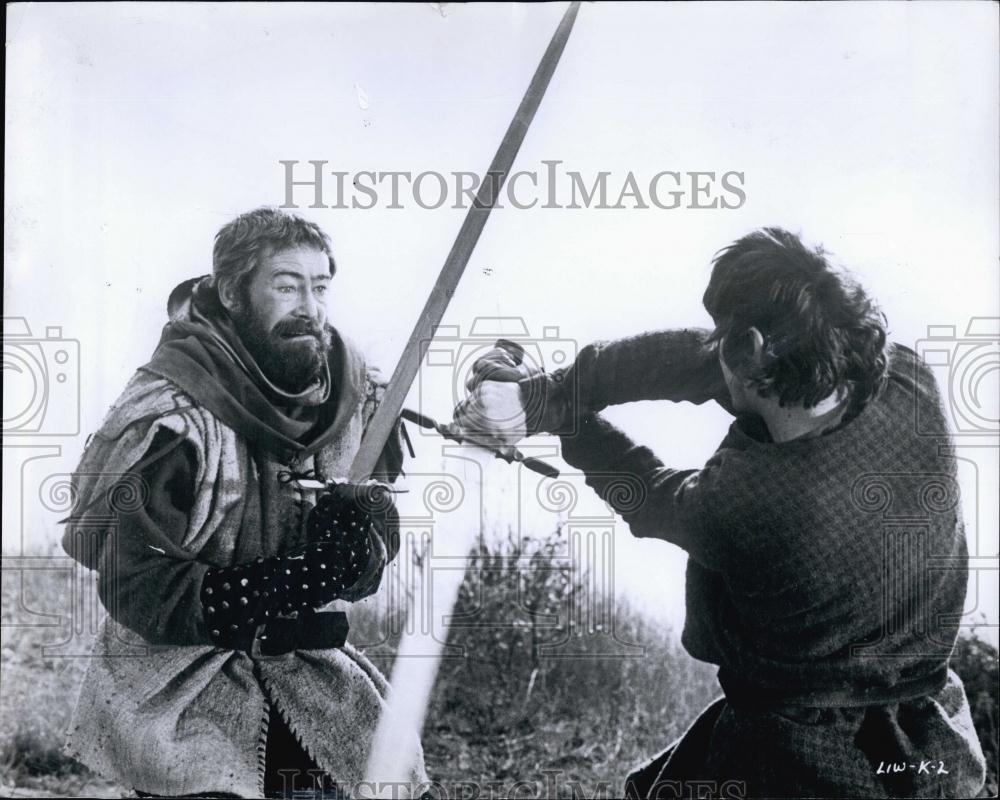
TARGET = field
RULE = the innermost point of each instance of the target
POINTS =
(507, 717)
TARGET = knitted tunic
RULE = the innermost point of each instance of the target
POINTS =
(826, 576)
(162, 708)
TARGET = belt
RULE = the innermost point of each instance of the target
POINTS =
(746, 696)
(311, 631)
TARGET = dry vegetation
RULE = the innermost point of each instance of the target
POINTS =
(508, 713)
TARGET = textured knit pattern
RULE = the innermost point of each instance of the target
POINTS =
(162, 708)
(824, 573)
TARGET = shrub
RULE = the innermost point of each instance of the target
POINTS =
(975, 661)
(33, 753)
(534, 688)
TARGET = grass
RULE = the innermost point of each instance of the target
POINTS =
(505, 719)
(38, 687)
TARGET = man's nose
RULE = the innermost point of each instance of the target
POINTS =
(309, 306)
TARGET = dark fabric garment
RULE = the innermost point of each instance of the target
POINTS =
(166, 490)
(674, 772)
(824, 573)
(790, 543)
(816, 752)
(202, 354)
(640, 781)
(155, 592)
(676, 365)
(289, 771)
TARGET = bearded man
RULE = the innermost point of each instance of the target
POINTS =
(827, 563)
(217, 672)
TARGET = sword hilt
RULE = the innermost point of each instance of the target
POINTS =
(511, 348)
(418, 419)
(541, 467)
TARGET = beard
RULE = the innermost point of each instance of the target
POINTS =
(291, 354)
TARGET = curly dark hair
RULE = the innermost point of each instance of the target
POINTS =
(821, 330)
(242, 243)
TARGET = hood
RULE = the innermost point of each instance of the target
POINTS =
(201, 353)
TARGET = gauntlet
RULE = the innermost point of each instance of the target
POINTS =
(351, 532)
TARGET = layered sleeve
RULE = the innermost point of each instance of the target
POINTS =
(657, 502)
(147, 581)
(134, 518)
(676, 365)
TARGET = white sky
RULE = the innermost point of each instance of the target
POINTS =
(134, 131)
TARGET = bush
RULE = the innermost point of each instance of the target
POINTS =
(33, 753)
(975, 661)
(507, 707)
(550, 678)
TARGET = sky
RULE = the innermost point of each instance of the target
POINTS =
(135, 130)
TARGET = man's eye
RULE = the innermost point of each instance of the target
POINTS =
(287, 289)
(321, 289)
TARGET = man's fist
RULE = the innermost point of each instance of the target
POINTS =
(511, 398)
(359, 525)
(494, 412)
(504, 364)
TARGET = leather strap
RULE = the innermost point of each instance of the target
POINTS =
(312, 631)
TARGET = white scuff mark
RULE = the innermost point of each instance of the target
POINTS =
(439, 7)
(396, 747)
(531, 684)
(362, 97)
(159, 550)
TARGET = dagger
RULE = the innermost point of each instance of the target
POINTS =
(455, 434)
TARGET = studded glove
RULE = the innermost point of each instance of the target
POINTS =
(351, 532)
(362, 522)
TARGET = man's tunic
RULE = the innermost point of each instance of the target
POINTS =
(826, 577)
(190, 470)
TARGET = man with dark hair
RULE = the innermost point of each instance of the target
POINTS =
(831, 627)
(223, 667)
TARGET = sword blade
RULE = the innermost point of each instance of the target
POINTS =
(382, 424)
(393, 750)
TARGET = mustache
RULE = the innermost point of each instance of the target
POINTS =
(298, 327)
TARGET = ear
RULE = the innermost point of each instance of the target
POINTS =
(227, 295)
(757, 340)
